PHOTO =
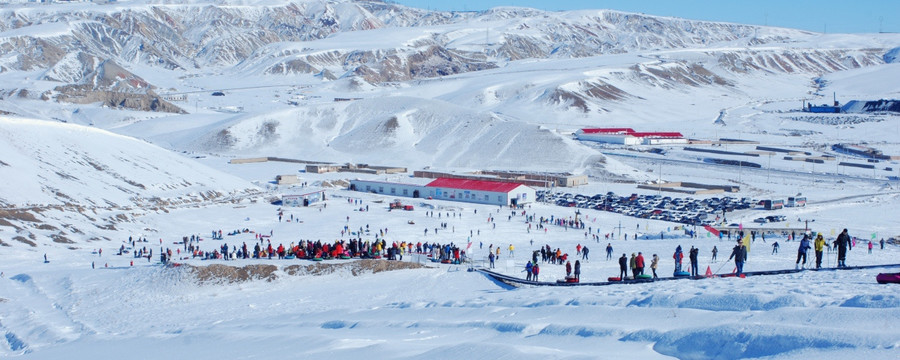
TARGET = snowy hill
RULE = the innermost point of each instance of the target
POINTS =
(56, 173)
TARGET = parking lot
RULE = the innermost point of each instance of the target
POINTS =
(687, 211)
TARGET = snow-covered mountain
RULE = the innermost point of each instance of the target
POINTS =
(375, 82)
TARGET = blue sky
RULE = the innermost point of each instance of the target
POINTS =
(832, 16)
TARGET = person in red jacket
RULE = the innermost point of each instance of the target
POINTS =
(678, 256)
(535, 270)
(568, 269)
(639, 263)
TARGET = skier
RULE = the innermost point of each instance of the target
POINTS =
(528, 267)
(843, 244)
(623, 267)
(609, 251)
(715, 251)
(678, 256)
(774, 248)
(653, 264)
(584, 253)
(738, 254)
(819, 246)
(801, 251)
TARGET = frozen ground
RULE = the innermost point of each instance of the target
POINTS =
(66, 309)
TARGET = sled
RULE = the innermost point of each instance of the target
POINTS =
(644, 276)
(567, 281)
(445, 261)
(614, 278)
(317, 259)
(682, 274)
(888, 278)
(345, 257)
(290, 257)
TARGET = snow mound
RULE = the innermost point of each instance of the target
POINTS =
(873, 301)
(892, 55)
(738, 341)
(716, 302)
(220, 273)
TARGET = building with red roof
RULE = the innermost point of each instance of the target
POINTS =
(485, 191)
(481, 191)
(627, 136)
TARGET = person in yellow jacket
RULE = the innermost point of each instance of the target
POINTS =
(512, 250)
(819, 245)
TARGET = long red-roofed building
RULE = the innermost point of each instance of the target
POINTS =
(628, 136)
(485, 191)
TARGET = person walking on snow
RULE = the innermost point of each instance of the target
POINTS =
(738, 253)
(609, 251)
(819, 246)
(653, 264)
(801, 251)
(844, 244)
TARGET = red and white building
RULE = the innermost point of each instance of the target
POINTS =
(464, 190)
(627, 136)
(481, 191)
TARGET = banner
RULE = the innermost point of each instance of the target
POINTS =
(711, 229)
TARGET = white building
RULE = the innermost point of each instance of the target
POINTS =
(463, 190)
(388, 188)
(627, 136)
(481, 191)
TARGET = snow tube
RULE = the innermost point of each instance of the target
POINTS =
(345, 257)
(886, 278)
(317, 259)
(614, 278)
(445, 261)
(681, 274)
(644, 276)
(290, 257)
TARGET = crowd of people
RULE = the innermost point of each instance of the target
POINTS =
(359, 243)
